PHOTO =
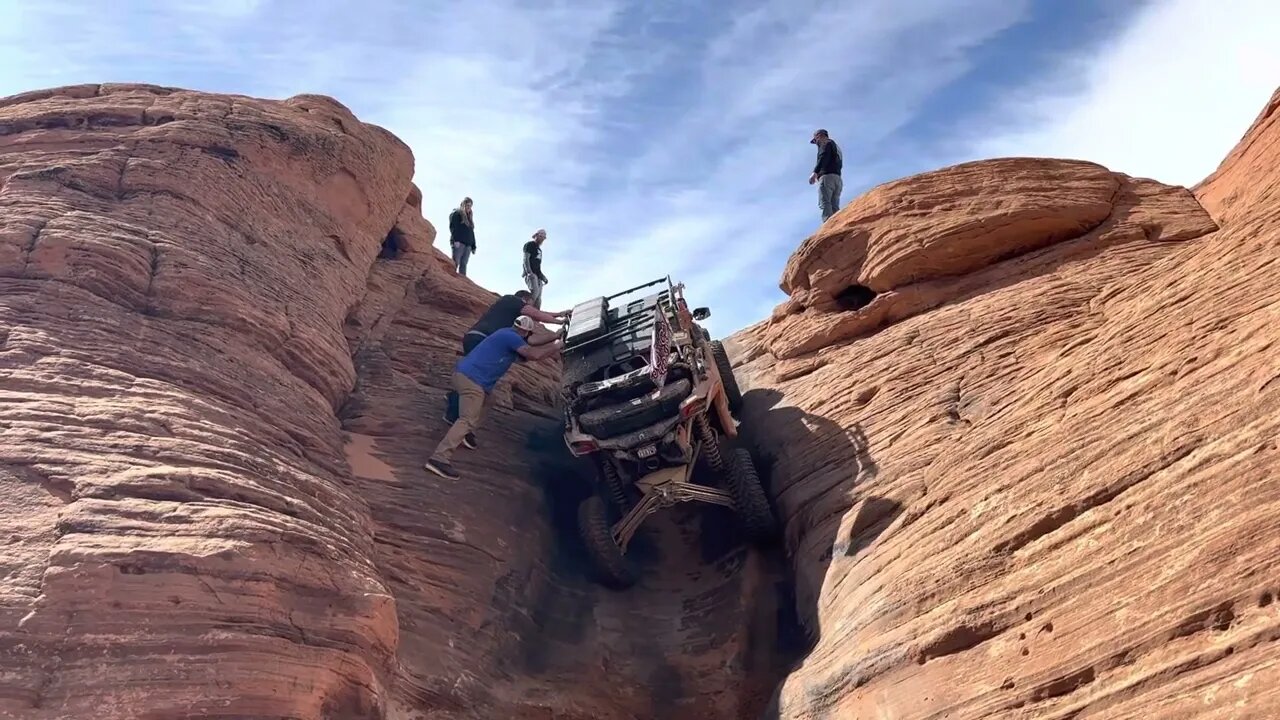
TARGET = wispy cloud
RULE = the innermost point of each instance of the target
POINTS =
(1167, 99)
(715, 192)
(659, 136)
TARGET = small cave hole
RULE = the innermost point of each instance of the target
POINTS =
(393, 246)
(1266, 599)
(854, 297)
(1223, 619)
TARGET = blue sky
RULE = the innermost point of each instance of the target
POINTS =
(666, 136)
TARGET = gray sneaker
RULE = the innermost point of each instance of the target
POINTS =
(442, 468)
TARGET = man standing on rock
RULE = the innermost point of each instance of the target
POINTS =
(533, 276)
(501, 314)
(826, 173)
(474, 378)
(462, 235)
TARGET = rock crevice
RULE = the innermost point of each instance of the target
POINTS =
(228, 341)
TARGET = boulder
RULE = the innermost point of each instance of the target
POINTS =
(912, 245)
(1035, 475)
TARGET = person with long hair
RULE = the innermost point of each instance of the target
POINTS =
(462, 235)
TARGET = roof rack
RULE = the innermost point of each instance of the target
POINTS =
(651, 283)
(631, 324)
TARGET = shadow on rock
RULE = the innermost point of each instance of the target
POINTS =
(816, 471)
(565, 481)
(551, 600)
(737, 621)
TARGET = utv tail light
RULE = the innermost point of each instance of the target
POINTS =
(690, 407)
(582, 447)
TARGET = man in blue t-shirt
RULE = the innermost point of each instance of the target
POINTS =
(474, 378)
(500, 314)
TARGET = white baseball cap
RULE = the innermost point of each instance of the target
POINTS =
(524, 322)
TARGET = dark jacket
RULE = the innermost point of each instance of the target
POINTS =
(830, 161)
(459, 231)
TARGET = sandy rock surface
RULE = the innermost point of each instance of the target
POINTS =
(225, 338)
(175, 269)
(1036, 475)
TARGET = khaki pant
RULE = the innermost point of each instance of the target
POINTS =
(473, 405)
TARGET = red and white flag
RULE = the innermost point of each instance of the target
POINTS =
(660, 351)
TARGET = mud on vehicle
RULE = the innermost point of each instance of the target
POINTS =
(650, 401)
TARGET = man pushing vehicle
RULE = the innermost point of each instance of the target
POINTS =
(475, 376)
(501, 314)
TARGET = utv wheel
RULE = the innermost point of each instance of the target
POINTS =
(731, 392)
(750, 502)
(613, 567)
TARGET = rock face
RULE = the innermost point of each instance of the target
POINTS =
(1023, 417)
(225, 342)
(1019, 417)
(912, 245)
(176, 271)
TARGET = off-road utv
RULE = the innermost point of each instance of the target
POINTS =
(650, 400)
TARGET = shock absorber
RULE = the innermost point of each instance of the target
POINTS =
(613, 483)
(710, 445)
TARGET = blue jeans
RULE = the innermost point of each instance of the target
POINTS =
(829, 187)
(461, 254)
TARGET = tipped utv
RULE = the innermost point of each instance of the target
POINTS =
(650, 400)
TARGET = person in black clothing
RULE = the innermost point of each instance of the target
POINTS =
(462, 235)
(532, 269)
(826, 172)
(502, 313)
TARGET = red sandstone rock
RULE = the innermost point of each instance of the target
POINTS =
(226, 338)
(935, 238)
(1034, 477)
(1246, 181)
(1041, 485)
(951, 222)
(175, 269)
